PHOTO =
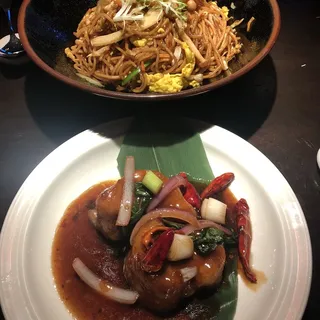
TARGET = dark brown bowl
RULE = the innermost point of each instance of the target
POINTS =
(46, 27)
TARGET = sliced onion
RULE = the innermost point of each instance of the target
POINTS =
(224, 64)
(214, 210)
(90, 80)
(177, 53)
(189, 42)
(151, 17)
(107, 39)
(129, 18)
(173, 183)
(188, 273)
(211, 224)
(127, 195)
(99, 52)
(205, 224)
(165, 213)
(182, 248)
(122, 10)
(102, 286)
(188, 229)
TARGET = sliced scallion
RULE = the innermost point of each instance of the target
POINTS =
(132, 75)
(152, 182)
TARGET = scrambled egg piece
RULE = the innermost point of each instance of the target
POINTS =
(171, 83)
(140, 42)
(160, 30)
(225, 11)
(166, 83)
(194, 84)
(191, 61)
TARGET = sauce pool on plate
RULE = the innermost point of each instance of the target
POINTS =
(76, 237)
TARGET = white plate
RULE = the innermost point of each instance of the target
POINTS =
(281, 244)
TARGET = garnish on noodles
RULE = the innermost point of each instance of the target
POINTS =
(160, 46)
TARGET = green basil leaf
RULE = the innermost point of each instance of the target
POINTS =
(142, 199)
(172, 224)
(207, 240)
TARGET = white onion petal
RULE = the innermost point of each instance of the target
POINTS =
(177, 53)
(188, 273)
(189, 229)
(214, 210)
(173, 183)
(182, 247)
(107, 39)
(212, 224)
(127, 196)
(102, 286)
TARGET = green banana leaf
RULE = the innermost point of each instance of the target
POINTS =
(172, 147)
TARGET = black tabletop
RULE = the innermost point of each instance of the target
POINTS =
(276, 107)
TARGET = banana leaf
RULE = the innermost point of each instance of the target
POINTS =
(172, 147)
(169, 147)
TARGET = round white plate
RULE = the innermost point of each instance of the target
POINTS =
(281, 244)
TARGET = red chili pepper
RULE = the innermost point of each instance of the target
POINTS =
(153, 260)
(217, 185)
(190, 193)
(241, 210)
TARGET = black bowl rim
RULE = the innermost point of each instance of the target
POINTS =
(150, 96)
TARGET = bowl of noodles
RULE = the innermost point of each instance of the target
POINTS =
(148, 49)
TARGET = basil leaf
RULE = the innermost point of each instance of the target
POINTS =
(142, 199)
(141, 190)
(207, 240)
(171, 224)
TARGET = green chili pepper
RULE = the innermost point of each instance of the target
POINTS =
(134, 73)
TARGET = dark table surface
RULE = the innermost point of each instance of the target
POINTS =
(276, 107)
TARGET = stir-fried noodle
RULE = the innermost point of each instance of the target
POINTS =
(161, 46)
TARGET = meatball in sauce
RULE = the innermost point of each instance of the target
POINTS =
(87, 230)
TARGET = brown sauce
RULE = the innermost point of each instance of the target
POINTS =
(76, 237)
(260, 275)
